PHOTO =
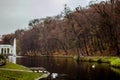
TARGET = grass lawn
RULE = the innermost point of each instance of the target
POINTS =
(111, 60)
(17, 75)
(14, 66)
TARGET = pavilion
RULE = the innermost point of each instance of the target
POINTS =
(8, 48)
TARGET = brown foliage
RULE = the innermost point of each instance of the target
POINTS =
(90, 30)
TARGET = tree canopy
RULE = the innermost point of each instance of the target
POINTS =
(92, 30)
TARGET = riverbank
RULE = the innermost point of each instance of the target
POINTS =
(112, 61)
(12, 71)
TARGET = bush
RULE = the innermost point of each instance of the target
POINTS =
(75, 57)
(2, 57)
(2, 60)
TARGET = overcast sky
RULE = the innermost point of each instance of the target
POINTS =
(15, 14)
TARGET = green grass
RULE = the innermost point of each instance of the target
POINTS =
(75, 57)
(115, 63)
(16, 75)
(108, 59)
(112, 61)
(14, 66)
(90, 59)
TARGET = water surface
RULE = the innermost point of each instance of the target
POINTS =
(68, 69)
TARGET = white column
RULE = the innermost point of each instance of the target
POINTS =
(12, 59)
(3, 50)
(14, 47)
(10, 50)
(0, 51)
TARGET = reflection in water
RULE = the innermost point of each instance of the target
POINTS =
(12, 59)
(54, 75)
(93, 66)
(68, 69)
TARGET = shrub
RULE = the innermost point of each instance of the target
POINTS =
(2, 60)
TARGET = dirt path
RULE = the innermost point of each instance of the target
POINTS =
(15, 70)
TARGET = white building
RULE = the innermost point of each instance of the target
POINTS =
(8, 49)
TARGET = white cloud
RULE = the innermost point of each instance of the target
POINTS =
(15, 14)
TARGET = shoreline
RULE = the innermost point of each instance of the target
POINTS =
(43, 76)
(15, 69)
(111, 60)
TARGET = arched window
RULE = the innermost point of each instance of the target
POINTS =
(5, 50)
(8, 50)
(2, 51)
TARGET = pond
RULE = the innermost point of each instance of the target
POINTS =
(68, 69)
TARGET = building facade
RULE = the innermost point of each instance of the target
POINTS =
(8, 49)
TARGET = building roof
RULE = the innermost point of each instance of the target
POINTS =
(5, 45)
